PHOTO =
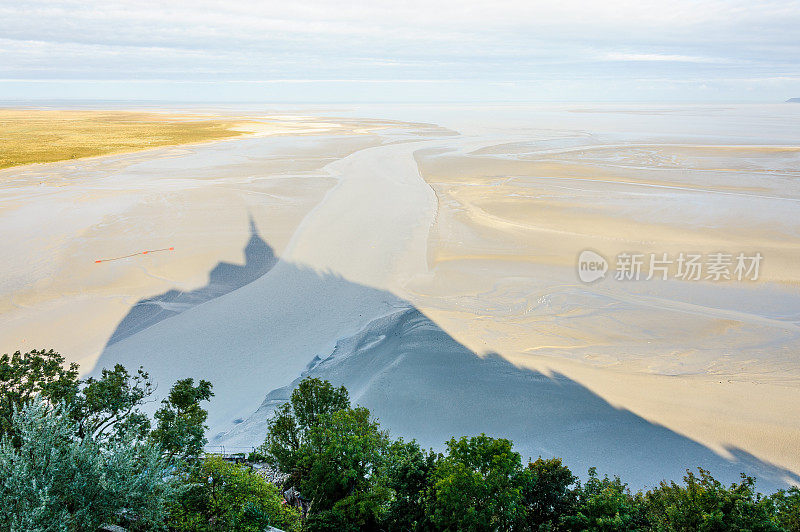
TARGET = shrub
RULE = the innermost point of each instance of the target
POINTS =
(52, 480)
(223, 496)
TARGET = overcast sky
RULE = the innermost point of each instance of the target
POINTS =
(733, 50)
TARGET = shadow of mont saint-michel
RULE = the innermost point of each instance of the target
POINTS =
(225, 277)
(256, 329)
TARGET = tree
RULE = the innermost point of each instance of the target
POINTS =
(102, 407)
(786, 506)
(108, 407)
(332, 453)
(547, 493)
(704, 503)
(181, 420)
(78, 454)
(314, 398)
(222, 496)
(341, 455)
(35, 373)
(407, 474)
(53, 480)
(474, 486)
(605, 504)
(289, 427)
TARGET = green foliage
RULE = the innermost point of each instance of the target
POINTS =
(313, 399)
(474, 488)
(256, 456)
(102, 408)
(786, 505)
(223, 496)
(332, 453)
(289, 428)
(407, 474)
(704, 503)
(108, 407)
(548, 493)
(358, 479)
(181, 420)
(36, 373)
(338, 461)
(53, 480)
(604, 504)
(75, 455)
(358, 511)
(283, 441)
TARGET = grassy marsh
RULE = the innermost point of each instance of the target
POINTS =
(43, 136)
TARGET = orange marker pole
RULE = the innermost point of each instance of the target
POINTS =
(134, 254)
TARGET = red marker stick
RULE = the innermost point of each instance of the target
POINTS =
(134, 254)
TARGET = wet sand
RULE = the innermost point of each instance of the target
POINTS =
(58, 219)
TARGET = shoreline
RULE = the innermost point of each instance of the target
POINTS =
(235, 127)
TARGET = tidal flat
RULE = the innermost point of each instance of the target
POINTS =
(443, 231)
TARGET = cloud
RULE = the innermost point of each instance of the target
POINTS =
(675, 58)
(496, 42)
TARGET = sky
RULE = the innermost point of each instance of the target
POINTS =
(378, 50)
